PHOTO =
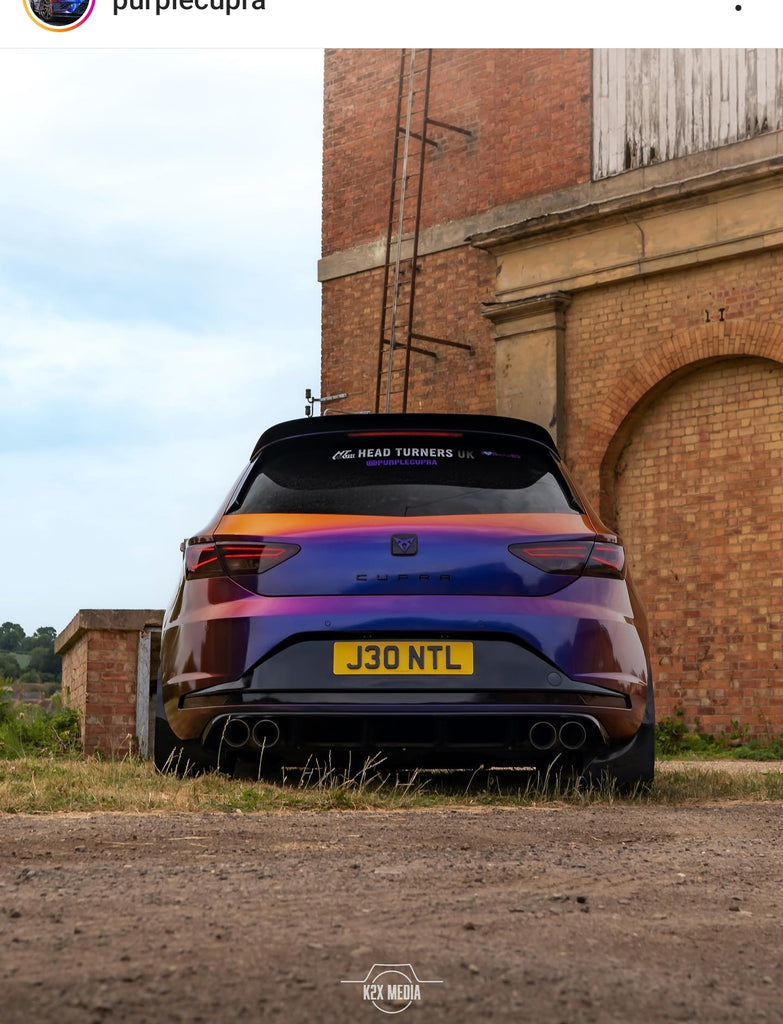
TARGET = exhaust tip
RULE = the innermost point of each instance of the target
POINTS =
(572, 735)
(543, 735)
(265, 733)
(236, 733)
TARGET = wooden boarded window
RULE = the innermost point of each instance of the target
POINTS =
(655, 105)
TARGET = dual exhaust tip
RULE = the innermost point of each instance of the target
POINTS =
(238, 732)
(571, 735)
(264, 733)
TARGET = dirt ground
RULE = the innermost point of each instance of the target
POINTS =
(551, 914)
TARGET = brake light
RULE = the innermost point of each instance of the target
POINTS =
(607, 560)
(406, 433)
(250, 559)
(573, 558)
(203, 561)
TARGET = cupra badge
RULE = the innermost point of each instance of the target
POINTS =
(405, 544)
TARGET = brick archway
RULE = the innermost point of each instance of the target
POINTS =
(681, 354)
(691, 477)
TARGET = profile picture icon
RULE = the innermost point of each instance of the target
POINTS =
(59, 15)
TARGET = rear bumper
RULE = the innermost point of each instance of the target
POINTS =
(428, 737)
(524, 722)
(538, 665)
(297, 681)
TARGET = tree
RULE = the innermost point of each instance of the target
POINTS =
(45, 661)
(44, 636)
(11, 636)
(9, 666)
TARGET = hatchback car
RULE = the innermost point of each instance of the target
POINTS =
(429, 588)
(59, 10)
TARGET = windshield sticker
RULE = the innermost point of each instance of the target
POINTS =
(502, 455)
(401, 462)
(402, 456)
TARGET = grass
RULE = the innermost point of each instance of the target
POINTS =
(28, 729)
(42, 772)
(45, 785)
(675, 739)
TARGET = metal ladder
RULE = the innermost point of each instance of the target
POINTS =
(397, 335)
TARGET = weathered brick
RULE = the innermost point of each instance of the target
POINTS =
(672, 424)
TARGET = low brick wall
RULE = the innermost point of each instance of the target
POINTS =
(100, 652)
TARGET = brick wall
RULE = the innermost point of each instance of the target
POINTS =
(452, 286)
(110, 699)
(622, 340)
(513, 153)
(662, 409)
(100, 654)
(496, 94)
(74, 676)
(699, 501)
(675, 428)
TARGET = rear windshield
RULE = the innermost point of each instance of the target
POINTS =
(405, 476)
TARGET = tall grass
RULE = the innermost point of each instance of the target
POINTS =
(42, 771)
(44, 785)
(27, 729)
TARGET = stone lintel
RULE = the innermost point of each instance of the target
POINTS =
(692, 176)
(527, 316)
(599, 207)
(111, 619)
(619, 245)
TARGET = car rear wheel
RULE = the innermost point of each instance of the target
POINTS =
(166, 754)
(633, 767)
(173, 755)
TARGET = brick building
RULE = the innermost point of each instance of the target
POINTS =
(110, 662)
(609, 241)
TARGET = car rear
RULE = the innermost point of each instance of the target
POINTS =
(431, 589)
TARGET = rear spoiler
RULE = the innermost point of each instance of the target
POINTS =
(348, 423)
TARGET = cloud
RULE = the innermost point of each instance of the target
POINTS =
(158, 304)
(153, 183)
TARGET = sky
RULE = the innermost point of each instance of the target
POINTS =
(159, 305)
(160, 210)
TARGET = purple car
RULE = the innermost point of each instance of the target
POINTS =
(59, 10)
(429, 588)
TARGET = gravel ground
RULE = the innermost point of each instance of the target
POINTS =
(550, 914)
(734, 767)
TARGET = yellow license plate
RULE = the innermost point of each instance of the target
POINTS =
(403, 658)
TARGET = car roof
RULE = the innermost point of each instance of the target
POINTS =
(361, 422)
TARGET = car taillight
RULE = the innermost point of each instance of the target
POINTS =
(234, 558)
(247, 559)
(201, 560)
(574, 558)
(607, 560)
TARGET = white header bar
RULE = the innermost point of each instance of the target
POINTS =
(392, 23)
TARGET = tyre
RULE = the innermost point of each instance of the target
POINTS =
(171, 754)
(633, 766)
